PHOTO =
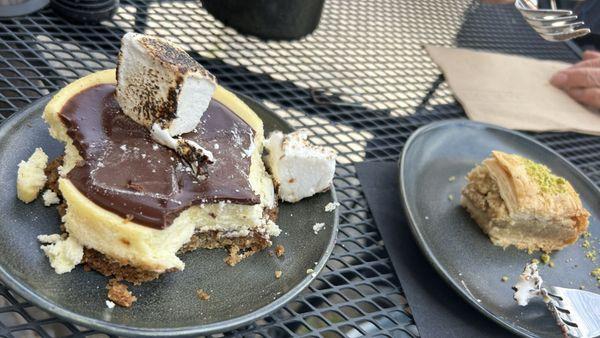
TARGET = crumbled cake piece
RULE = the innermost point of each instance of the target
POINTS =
(191, 152)
(110, 304)
(299, 168)
(31, 177)
(309, 271)
(279, 250)
(50, 198)
(331, 206)
(158, 82)
(202, 295)
(64, 254)
(119, 294)
(318, 227)
(278, 274)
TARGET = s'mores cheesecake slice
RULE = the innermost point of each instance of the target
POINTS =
(518, 202)
(134, 205)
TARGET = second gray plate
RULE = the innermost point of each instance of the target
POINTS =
(167, 306)
(452, 241)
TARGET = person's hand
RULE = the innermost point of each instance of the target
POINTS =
(582, 80)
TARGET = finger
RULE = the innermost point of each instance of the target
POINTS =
(591, 63)
(588, 96)
(590, 54)
(577, 77)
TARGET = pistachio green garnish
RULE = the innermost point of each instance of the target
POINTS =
(545, 258)
(551, 264)
(535, 261)
(592, 255)
(544, 178)
(586, 244)
(596, 273)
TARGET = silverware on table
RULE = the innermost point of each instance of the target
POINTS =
(576, 311)
(551, 24)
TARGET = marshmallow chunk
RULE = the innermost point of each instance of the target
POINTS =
(31, 177)
(158, 82)
(191, 152)
(299, 168)
(64, 254)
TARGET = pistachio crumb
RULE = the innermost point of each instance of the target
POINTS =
(596, 274)
(535, 261)
(450, 197)
(504, 278)
(544, 178)
(545, 258)
(451, 178)
(586, 244)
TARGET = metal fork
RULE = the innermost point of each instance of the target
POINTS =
(552, 24)
(576, 311)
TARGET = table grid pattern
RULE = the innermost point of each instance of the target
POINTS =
(362, 83)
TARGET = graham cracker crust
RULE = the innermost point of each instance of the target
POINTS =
(238, 248)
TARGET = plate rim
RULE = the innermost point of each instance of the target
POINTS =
(112, 328)
(420, 239)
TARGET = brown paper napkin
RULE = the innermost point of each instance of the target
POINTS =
(512, 91)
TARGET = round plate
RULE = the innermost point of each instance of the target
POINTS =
(452, 241)
(167, 306)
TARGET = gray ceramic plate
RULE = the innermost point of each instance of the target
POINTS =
(453, 243)
(168, 306)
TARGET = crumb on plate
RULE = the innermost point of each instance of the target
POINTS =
(118, 293)
(202, 295)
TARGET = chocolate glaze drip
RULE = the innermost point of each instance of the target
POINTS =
(127, 173)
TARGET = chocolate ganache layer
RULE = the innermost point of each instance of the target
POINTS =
(125, 172)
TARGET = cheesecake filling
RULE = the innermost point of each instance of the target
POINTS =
(126, 172)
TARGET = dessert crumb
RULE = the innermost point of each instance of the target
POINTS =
(551, 264)
(451, 178)
(545, 258)
(504, 278)
(110, 304)
(279, 250)
(450, 197)
(278, 274)
(118, 293)
(318, 227)
(202, 295)
(331, 206)
(50, 198)
(596, 274)
(535, 261)
(309, 271)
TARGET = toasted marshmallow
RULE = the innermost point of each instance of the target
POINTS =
(299, 168)
(529, 285)
(158, 82)
(191, 152)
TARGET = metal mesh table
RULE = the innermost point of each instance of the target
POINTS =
(361, 84)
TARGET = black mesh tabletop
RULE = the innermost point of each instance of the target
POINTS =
(361, 84)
